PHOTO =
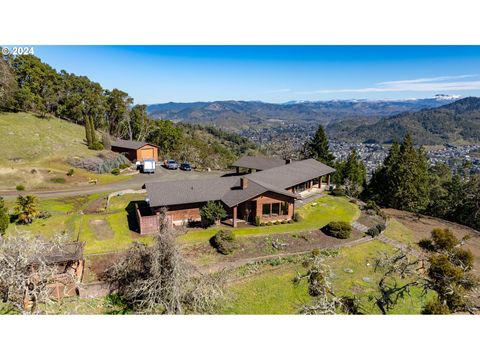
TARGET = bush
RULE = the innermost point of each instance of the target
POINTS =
(20, 187)
(124, 166)
(115, 171)
(224, 242)
(262, 224)
(434, 307)
(338, 229)
(277, 222)
(44, 214)
(58, 180)
(269, 223)
(102, 163)
(96, 146)
(284, 221)
(4, 217)
(213, 211)
(297, 216)
(290, 221)
(70, 172)
(257, 221)
(373, 231)
(380, 227)
(338, 192)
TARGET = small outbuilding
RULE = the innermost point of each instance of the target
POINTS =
(135, 150)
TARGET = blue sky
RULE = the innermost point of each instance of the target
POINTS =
(155, 74)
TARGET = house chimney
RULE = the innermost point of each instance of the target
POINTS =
(288, 161)
(243, 182)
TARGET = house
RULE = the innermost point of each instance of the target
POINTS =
(135, 150)
(257, 163)
(266, 195)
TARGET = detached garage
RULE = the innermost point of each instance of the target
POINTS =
(135, 150)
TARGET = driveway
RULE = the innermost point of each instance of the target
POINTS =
(135, 182)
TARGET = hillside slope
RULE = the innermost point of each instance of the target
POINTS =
(458, 122)
(34, 152)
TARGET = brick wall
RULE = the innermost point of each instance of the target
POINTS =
(148, 224)
(270, 198)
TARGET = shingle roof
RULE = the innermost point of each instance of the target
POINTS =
(289, 175)
(129, 144)
(229, 190)
(226, 189)
(258, 162)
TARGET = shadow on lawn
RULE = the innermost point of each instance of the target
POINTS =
(133, 224)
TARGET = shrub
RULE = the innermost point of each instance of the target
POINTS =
(297, 216)
(4, 217)
(44, 214)
(124, 166)
(338, 229)
(58, 180)
(102, 163)
(213, 211)
(380, 227)
(277, 222)
(338, 192)
(373, 231)
(426, 244)
(435, 307)
(20, 187)
(290, 221)
(70, 172)
(269, 223)
(284, 221)
(224, 242)
(96, 146)
(262, 224)
(116, 171)
(257, 221)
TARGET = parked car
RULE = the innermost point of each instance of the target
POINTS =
(185, 166)
(172, 165)
(148, 166)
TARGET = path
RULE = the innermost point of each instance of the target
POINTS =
(387, 240)
(135, 182)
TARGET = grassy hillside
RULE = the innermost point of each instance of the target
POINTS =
(34, 152)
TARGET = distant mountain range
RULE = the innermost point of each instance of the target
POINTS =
(240, 115)
(457, 122)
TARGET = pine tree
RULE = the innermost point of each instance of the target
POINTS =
(93, 132)
(318, 148)
(402, 182)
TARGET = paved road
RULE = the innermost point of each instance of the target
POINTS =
(135, 182)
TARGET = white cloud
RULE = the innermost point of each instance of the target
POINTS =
(436, 84)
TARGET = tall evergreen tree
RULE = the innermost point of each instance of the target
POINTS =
(402, 182)
(318, 148)
(88, 132)
(351, 174)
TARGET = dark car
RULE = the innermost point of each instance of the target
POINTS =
(171, 165)
(185, 167)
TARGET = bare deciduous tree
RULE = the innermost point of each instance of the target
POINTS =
(157, 278)
(26, 269)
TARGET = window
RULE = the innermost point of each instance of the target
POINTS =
(276, 209)
(266, 210)
(285, 208)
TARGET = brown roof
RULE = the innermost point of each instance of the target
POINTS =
(289, 175)
(225, 189)
(228, 189)
(129, 144)
(258, 162)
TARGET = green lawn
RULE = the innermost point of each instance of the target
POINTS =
(315, 215)
(399, 232)
(274, 293)
(103, 232)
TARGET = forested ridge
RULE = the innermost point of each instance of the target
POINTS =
(29, 85)
(458, 122)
